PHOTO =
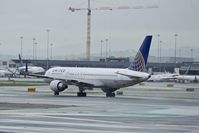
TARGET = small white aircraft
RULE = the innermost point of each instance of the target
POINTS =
(190, 78)
(8, 72)
(5, 72)
(163, 77)
(108, 79)
(31, 69)
(187, 78)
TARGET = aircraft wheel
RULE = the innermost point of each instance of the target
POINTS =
(112, 94)
(56, 93)
(81, 94)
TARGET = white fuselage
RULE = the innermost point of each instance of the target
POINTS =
(98, 77)
(32, 69)
(187, 77)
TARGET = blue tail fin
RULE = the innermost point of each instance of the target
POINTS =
(140, 60)
(20, 60)
(187, 71)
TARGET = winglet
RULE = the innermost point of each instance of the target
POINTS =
(140, 60)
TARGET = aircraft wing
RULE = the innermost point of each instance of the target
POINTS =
(82, 82)
(76, 81)
(39, 76)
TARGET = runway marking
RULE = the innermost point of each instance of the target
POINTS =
(56, 130)
(59, 126)
(178, 111)
(83, 119)
(52, 123)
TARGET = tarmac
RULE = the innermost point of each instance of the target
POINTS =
(145, 108)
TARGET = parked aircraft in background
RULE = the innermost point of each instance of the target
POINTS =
(108, 79)
(163, 77)
(8, 72)
(5, 72)
(187, 78)
(31, 69)
(175, 77)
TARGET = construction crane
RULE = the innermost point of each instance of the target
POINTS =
(88, 40)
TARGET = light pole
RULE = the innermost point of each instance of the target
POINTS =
(101, 48)
(21, 46)
(158, 47)
(179, 52)
(160, 56)
(106, 47)
(191, 53)
(33, 48)
(47, 65)
(36, 50)
(175, 35)
(51, 51)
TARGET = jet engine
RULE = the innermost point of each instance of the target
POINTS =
(58, 86)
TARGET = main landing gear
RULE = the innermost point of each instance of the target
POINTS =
(81, 92)
(56, 93)
(110, 94)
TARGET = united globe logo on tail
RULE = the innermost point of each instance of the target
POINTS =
(140, 60)
(138, 64)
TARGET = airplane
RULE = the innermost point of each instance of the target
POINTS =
(163, 77)
(8, 72)
(190, 78)
(5, 72)
(31, 69)
(185, 77)
(108, 79)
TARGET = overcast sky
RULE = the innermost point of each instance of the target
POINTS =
(125, 29)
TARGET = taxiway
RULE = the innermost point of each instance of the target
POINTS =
(151, 108)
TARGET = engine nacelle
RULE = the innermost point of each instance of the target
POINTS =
(58, 86)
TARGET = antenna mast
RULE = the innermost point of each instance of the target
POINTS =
(88, 40)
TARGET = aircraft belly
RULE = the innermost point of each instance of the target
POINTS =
(117, 83)
(109, 83)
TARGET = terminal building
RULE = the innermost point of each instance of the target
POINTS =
(7, 64)
(165, 64)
